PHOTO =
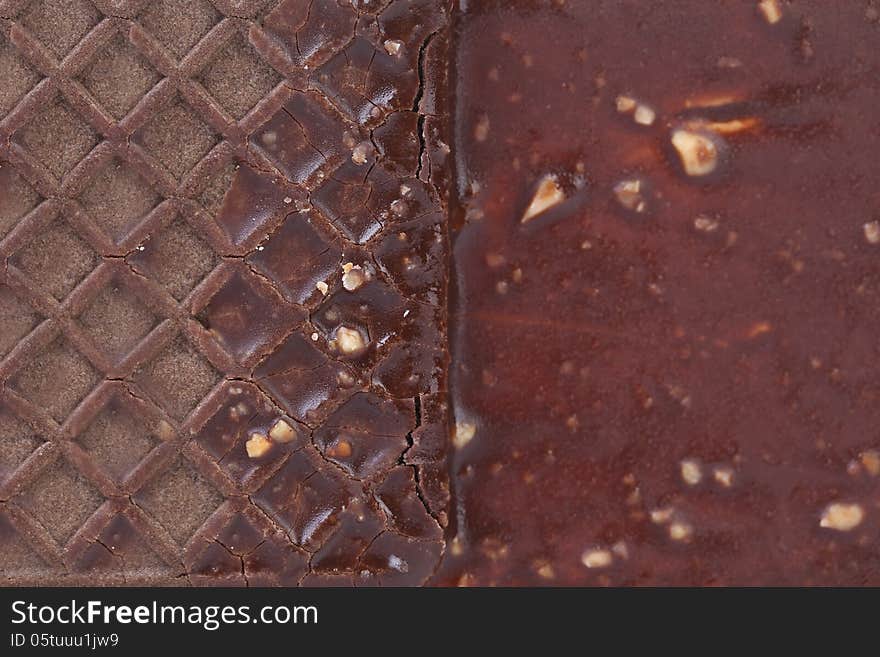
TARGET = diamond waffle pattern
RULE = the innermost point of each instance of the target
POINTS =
(198, 127)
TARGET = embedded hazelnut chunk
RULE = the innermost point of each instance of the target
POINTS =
(165, 431)
(697, 150)
(597, 558)
(481, 130)
(349, 341)
(706, 224)
(644, 115)
(871, 462)
(630, 194)
(353, 276)
(662, 516)
(625, 104)
(545, 569)
(341, 449)
(464, 433)
(323, 288)
(872, 232)
(257, 445)
(548, 195)
(724, 476)
(393, 46)
(691, 472)
(680, 531)
(282, 432)
(770, 10)
(360, 152)
(842, 517)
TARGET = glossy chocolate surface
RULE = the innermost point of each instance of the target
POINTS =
(223, 306)
(675, 380)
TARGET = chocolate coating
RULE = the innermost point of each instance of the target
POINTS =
(676, 384)
(215, 351)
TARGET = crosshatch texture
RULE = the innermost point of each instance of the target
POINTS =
(219, 225)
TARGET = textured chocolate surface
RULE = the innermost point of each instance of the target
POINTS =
(222, 312)
(224, 303)
(669, 375)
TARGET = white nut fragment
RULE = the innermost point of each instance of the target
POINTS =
(630, 194)
(625, 104)
(349, 341)
(481, 129)
(548, 195)
(691, 472)
(360, 152)
(697, 150)
(257, 445)
(680, 531)
(464, 433)
(723, 476)
(282, 432)
(706, 224)
(353, 276)
(872, 232)
(770, 10)
(393, 46)
(871, 462)
(842, 517)
(662, 516)
(595, 558)
(323, 288)
(644, 115)
(641, 113)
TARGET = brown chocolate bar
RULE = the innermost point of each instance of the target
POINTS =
(222, 315)
(664, 336)
(405, 292)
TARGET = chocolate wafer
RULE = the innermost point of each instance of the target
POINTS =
(223, 306)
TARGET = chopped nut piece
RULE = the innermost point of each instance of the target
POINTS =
(597, 558)
(548, 195)
(323, 288)
(698, 151)
(759, 328)
(257, 445)
(706, 224)
(730, 127)
(545, 569)
(644, 115)
(871, 461)
(360, 152)
(680, 531)
(842, 517)
(481, 129)
(495, 260)
(872, 232)
(724, 476)
(464, 433)
(341, 449)
(691, 472)
(629, 194)
(165, 431)
(771, 11)
(662, 516)
(625, 104)
(393, 46)
(353, 276)
(349, 341)
(282, 432)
